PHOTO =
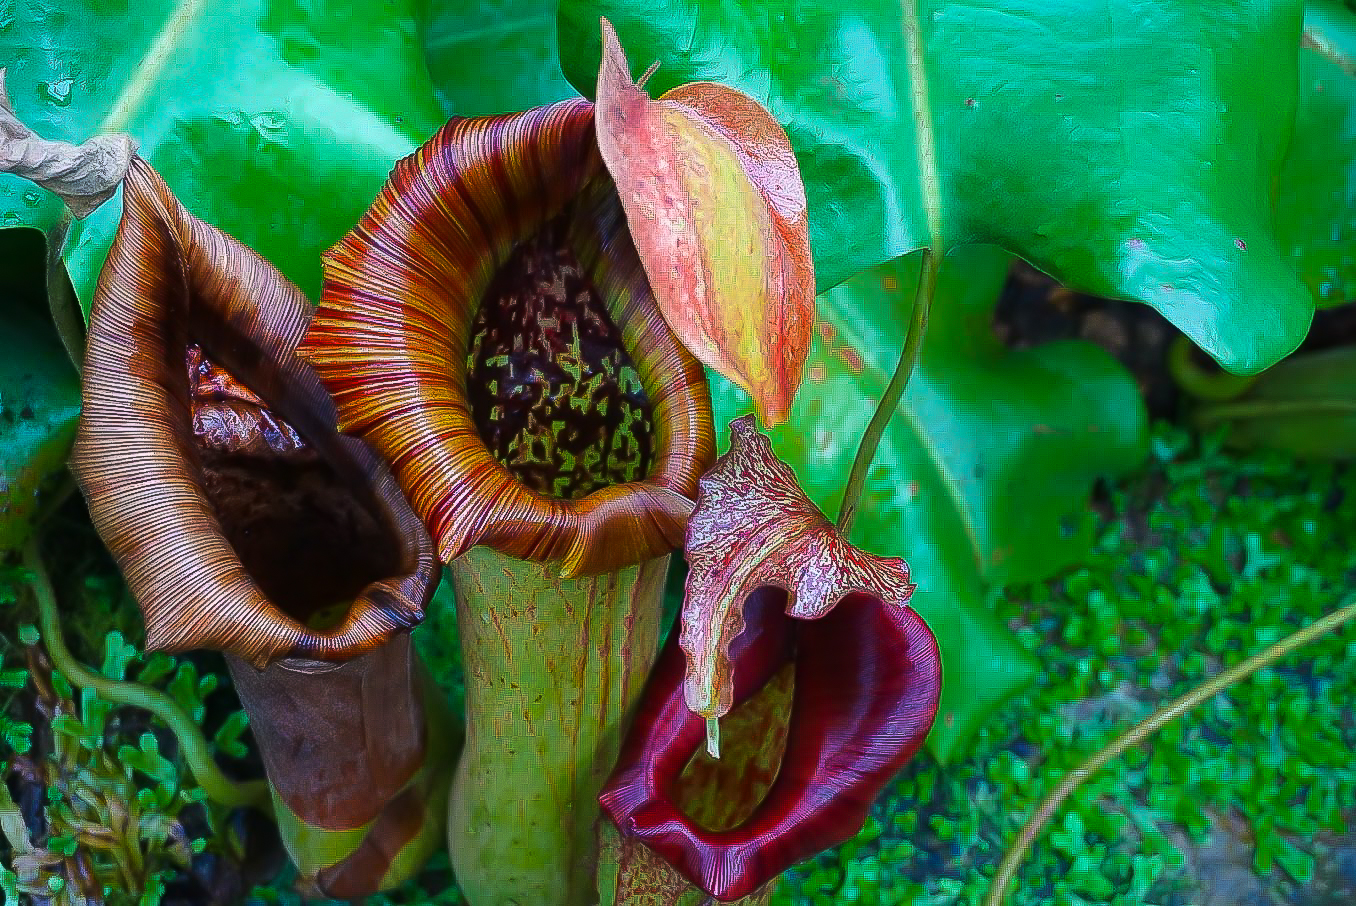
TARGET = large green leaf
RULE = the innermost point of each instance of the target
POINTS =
(1127, 148)
(492, 56)
(39, 389)
(1316, 194)
(982, 474)
(276, 120)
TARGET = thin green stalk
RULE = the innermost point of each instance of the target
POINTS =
(1277, 409)
(889, 402)
(929, 184)
(1213, 386)
(193, 745)
(55, 500)
(129, 863)
(1137, 734)
(64, 307)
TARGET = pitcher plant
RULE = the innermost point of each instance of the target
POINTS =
(505, 375)
(512, 325)
(244, 523)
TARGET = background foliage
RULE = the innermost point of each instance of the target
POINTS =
(1216, 183)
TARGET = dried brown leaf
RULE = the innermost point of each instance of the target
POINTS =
(85, 176)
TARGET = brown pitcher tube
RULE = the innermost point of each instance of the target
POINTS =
(243, 522)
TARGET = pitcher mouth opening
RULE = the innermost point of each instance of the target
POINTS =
(864, 686)
(488, 327)
(309, 539)
(554, 393)
(207, 451)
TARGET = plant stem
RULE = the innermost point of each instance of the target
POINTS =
(1007, 870)
(1277, 409)
(1213, 386)
(889, 402)
(65, 308)
(55, 500)
(192, 743)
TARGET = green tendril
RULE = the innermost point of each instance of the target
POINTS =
(1210, 386)
(1137, 734)
(1209, 416)
(192, 743)
(889, 402)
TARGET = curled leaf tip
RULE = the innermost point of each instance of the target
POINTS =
(752, 527)
(84, 176)
(716, 206)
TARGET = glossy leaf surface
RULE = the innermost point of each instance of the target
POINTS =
(982, 475)
(1059, 129)
(39, 390)
(515, 40)
(274, 120)
(716, 209)
(1316, 194)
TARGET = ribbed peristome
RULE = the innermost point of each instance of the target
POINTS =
(172, 280)
(394, 321)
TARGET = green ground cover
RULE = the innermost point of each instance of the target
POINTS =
(1202, 560)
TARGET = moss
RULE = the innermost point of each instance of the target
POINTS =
(103, 806)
